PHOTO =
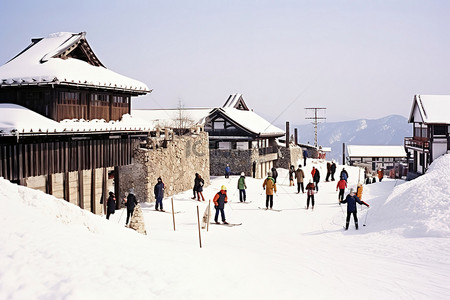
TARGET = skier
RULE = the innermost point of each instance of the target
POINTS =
(130, 203)
(344, 174)
(316, 178)
(110, 205)
(291, 175)
(328, 171)
(305, 155)
(219, 204)
(341, 185)
(159, 194)
(241, 187)
(227, 171)
(274, 174)
(380, 174)
(351, 201)
(194, 189)
(300, 175)
(310, 192)
(270, 186)
(333, 170)
(199, 183)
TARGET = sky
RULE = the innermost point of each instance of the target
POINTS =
(358, 59)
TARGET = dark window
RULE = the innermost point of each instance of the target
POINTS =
(440, 130)
(69, 98)
(99, 100)
(120, 101)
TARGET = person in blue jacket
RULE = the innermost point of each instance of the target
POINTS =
(351, 201)
(159, 194)
(227, 171)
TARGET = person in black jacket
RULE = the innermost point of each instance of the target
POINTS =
(110, 205)
(194, 189)
(333, 170)
(159, 194)
(351, 201)
(219, 204)
(130, 203)
(274, 174)
(316, 179)
(198, 187)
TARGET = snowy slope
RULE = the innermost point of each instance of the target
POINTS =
(51, 249)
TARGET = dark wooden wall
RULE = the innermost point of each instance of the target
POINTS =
(45, 156)
(46, 100)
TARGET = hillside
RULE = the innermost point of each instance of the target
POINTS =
(389, 130)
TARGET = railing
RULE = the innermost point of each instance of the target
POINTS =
(417, 142)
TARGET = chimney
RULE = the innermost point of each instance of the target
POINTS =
(295, 136)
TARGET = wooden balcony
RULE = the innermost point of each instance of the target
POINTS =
(419, 143)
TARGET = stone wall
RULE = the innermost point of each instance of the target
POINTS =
(176, 164)
(239, 161)
(290, 156)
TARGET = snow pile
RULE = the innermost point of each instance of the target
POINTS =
(421, 207)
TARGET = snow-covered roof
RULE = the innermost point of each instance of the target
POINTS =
(169, 117)
(236, 101)
(375, 151)
(17, 119)
(64, 58)
(252, 122)
(430, 109)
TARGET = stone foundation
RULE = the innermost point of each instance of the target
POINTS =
(290, 156)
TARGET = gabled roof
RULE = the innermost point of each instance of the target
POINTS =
(236, 101)
(67, 59)
(375, 151)
(430, 109)
(249, 121)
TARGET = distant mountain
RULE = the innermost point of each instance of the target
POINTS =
(389, 130)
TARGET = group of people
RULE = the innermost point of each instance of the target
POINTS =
(269, 185)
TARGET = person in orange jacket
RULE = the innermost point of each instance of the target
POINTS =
(270, 186)
(219, 204)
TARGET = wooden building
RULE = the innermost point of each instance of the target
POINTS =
(55, 78)
(431, 131)
(60, 77)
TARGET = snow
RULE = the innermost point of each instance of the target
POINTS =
(252, 121)
(37, 65)
(433, 109)
(16, 118)
(169, 117)
(375, 151)
(51, 249)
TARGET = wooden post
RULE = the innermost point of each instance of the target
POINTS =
(287, 134)
(295, 136)
(209, 215)
(173, 216)
(198, 222)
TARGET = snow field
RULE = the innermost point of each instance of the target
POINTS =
(51, 249)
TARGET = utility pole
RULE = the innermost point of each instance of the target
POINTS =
(316, 119)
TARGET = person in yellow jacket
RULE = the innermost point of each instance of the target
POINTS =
(270, 186)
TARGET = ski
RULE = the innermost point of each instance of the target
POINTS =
(245, 202)
(168, 212)
(263, 208)
(229, 224)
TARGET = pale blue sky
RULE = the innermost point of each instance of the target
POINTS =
(360, 59)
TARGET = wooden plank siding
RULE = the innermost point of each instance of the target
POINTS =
(35, 156)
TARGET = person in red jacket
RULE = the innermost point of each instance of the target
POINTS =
(341, 185)
(310, 192)
(219, 204)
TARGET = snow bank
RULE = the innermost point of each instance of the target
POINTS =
(421, 207)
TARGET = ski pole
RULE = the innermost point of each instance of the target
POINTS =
(342, 210)
(366, 217)
(121, 215)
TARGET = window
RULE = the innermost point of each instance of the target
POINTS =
(120, 101)
(440, 130)
(99, 100)
(69, 98)
(219, 124)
